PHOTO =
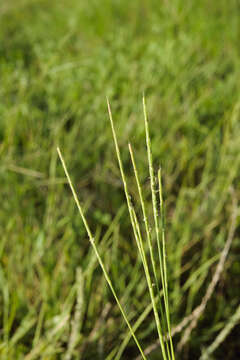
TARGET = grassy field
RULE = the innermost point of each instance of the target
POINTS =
(58, 62)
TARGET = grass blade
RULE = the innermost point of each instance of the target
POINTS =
(138, 237)
(155, 210)
(165, 287)
(91, 239)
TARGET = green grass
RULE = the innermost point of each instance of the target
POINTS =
(58, 62)
(167, 352)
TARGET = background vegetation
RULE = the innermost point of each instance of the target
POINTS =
(58, 61)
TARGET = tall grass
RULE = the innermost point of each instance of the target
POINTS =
(156, 286)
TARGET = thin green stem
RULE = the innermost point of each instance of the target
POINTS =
(162, 231)
(165, 292)
(91, 238)
(154, 203)
(137, 235)
(151, 291)
(147, 229)
(145, 219)
(152, 182)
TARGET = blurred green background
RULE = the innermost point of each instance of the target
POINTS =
(58, 62)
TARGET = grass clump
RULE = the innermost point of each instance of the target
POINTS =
(162, 320)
